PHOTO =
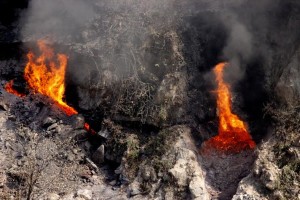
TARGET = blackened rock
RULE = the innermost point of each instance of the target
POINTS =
(12, 118)
(87, 145)
(119, 170)
(80, 135)
(98, 156)
(104, 133)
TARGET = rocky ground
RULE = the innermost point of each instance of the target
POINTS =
(47, 158)
(46, 155)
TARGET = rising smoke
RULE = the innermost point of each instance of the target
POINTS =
(110, 31)
(120, 36)
(62, 18)
(56, 18)
(238, 49)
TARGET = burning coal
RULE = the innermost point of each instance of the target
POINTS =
(232, 135)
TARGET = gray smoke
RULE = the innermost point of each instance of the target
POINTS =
(65, 18)
(238, 49)
(112, 31)
(55, 18)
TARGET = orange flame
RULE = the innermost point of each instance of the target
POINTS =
(46, 75)
(9, 88)
(233, 135)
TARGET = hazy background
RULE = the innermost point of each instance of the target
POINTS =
(122, 38)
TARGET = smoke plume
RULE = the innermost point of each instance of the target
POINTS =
(238, 49)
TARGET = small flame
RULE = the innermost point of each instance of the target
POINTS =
(89, 129)
(9, 88)
(232, 135)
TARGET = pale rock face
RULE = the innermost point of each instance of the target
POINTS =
(186, 170)
(247, 190)
(244, 197)
(68, 197)
(197, 188)
(134, 188)
(85, 194)
(169, 194)
(266, 171)
(270, 176)
(53, 196)
(179, 172)
(2, 178)
(2, 172)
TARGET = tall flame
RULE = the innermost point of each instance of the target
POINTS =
(45, 74)
(232, 135)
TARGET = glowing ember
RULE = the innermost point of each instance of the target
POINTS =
(9, 88)
(233, 135)
(45, 74)
(88, 128)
